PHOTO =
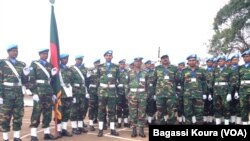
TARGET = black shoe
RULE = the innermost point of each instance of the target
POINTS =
(134, 132)
(34, 138)
(76, 131)
(118, 125)
(126, 125)
(95, 121)
(105, 127)
(141, 133)
(100, 133)
(114, 133)
(83, 130)
(49, 137)
(17, 139)
(66, 133)
(91, 128)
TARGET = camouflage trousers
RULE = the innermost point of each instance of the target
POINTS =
(208, 107)
(65, 109)
(79, 107)
(166, 106)
(151, 107)
(244, 103)
(12, 107)
(93, 103)
(234, 106)
(180, 108)
(44, 107)
(122, 104)
(137, 108)
(106, 104)
(221, 106)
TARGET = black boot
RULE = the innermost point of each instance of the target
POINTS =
(105, 127)
(91, 128)
(83, 130)
(100, 133)
(95, 121)
(66, 133)
(34, 138)
(119, 125)
(126, 125)
(141, 133)
(134, 132)
(49, 137)
(76, 131)
(114, 133)
(17, 139)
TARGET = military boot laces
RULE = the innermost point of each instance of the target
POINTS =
(100, 133)
(134, 132)
(49, 137)
(76, 131)
(114, 133)
(83, 130)
(34, 138)
(91, 128)
(66, 133)
(17, 139)
(141, 133)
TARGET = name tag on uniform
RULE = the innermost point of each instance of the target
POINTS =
(109, 75)
(142, 79)
(193, 79)
(166, 77)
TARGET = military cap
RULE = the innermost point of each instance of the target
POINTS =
(62, 56)
(110, 52)
(215, 59)
(97, 61)
(181, 63)
(228, 59)
(42, 50)
(245, 53)
(209, 59)
(192, 56)
(122, 61)
(138, 59)
(221, 58)
(79, 56)
(235, 56)
(12, 46)
(165, 55)
(148, 62)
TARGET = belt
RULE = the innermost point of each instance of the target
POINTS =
(92, 85)
(65, 85)
(107, 85)
(11, 84)
(137, 89)
(150, 85)
(120, 85)
(43, 81)
(245, 82)
(220, 83)
(78, 85)
(179, 87)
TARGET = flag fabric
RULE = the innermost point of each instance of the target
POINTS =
(54, 59)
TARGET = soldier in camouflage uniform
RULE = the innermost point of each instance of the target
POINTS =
(67, 100)
(43, 95)
(151, 104)
(208, 103)
(79, 109)
(166, 96)
(194, 91)
(13, 74)
(93, 100)
(222, 95)
(122, 102)
(108, 77)
(137, 97)
(245, 87)
(228, 63)
(179, 92)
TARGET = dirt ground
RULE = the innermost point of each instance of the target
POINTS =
(90, 136)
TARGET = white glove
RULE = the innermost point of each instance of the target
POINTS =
(1, 100)
(87, 96)
(35, 98)
(53, 71)
(26, 70)
(210, 97)
(74, 100)
(204, 96)
(154, 97)
(229, 97)
(54, 99)
(236, 95)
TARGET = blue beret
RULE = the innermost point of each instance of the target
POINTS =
(97, 61)
(165, 55)
(235, 56)
(108, 52)
(148, 62)
(192, 56)
(138, 58)
(62, 56)
(215, 59)
(122, 61)
(43, 50)
(181, 63)
(221, 58)
(79, 56)
(245, 53)
(12, 46)
(209, 59)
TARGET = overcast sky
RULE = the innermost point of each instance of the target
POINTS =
(130, 28)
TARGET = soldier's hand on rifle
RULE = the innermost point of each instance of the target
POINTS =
(1, 100)
(236, 95)
(210, 97)
(26, 70)
(204, 96)
(229, 97)
(53, 71)
(54, 98)
(87, 95)
(35, 98)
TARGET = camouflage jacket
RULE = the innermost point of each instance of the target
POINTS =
(165, 80)
(179, 82)
(235, 78)
(77, 80)
(37, 74)
(151, 82)
(122, 78)
(245, 76)
(93, 76)
(209, 80)
(222, 77)
(67, 78)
